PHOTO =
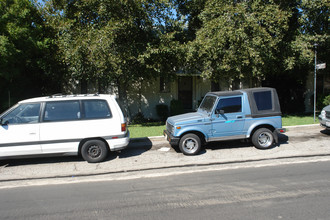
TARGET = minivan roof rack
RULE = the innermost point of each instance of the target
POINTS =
(60, 95)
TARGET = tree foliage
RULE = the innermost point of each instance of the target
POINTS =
(113, 41)
(27, 64)
(238, 39)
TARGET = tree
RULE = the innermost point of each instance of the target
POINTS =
(113, 41)
(26, 48)
(238, 39)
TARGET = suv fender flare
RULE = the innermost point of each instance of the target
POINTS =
(252, 129)
(196, 131)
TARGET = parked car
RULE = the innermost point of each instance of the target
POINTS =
(89, 125)
(242, 114)
(324, 117)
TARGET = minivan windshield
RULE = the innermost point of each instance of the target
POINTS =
(207, 104)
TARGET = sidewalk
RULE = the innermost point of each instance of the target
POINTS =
(144, 154)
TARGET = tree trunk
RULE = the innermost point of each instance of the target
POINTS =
(122, 93)
(83, 86)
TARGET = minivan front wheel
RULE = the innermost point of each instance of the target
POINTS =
(263, 138)
(94, 151)
(190, 144)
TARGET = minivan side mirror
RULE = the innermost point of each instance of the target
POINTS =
(3, 123)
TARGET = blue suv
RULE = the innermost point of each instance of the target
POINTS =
(230, 115)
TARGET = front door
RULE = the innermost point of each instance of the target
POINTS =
(229, 124)
(185, 91)
(19, 132)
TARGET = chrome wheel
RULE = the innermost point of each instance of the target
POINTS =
(190, 144)
(263, 138)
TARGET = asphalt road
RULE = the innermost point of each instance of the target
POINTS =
(295, 191)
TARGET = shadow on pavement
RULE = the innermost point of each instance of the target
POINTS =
(325, 131)
(135, 148)
(282, 139)
(39, 160)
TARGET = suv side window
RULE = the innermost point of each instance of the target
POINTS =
(263, 100)
(62, 111)
(23, 113)
(96, 109)
(230, 105)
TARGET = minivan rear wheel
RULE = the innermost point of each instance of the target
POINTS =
(94, 151)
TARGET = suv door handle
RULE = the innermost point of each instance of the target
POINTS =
(239, 116)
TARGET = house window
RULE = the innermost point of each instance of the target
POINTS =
(164, 85)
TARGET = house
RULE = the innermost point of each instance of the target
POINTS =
(188, 89)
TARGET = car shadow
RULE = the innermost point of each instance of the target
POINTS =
(39, 160)
(282, 139)
(135, 148)
(325, 131)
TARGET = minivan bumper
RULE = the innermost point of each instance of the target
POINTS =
(119, 143)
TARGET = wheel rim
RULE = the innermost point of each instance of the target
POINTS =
(190, 145)
(94, 151)
(264, 139)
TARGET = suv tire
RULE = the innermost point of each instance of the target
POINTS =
(190, 144)
(94, 151)
(263, 138)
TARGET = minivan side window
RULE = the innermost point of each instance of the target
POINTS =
(230, 105)
(23, 114)
(96, 109)
(62, 111)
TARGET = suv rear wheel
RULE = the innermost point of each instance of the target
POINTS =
(94, 151)
(263, 138)
(190, 144)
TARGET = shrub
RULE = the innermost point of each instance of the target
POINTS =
(138, 118)
(176, 107)
(326, 100)
(162, 111)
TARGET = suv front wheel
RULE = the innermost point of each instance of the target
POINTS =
(263, 138)
(190, 144)
(94, 151)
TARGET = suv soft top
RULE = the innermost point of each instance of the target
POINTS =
(269, 106)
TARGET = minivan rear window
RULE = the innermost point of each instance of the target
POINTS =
(96, 109)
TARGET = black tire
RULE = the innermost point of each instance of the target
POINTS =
(190, 144)
(94, 151)
(263, 138)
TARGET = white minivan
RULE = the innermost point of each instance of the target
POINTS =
(86, 125)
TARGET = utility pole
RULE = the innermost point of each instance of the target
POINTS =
(315, 46)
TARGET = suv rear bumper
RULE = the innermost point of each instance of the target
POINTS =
(278, 131)
(170, 138)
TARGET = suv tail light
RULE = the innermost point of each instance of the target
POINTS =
(123, 127)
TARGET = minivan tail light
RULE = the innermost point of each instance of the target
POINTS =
(123, 127)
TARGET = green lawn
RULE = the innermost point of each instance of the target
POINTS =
(157, 128)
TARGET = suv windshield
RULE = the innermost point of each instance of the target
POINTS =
(207, 104)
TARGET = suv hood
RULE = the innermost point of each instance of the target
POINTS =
(186, 118)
